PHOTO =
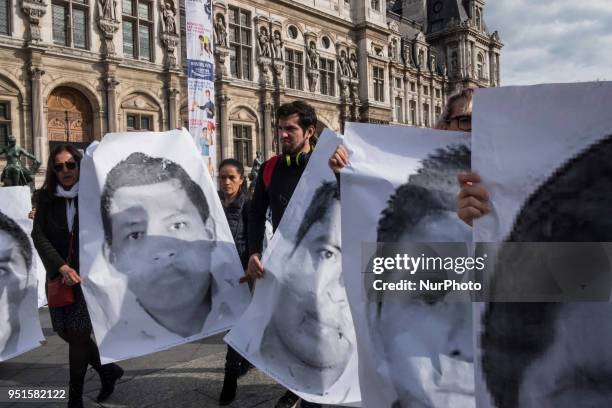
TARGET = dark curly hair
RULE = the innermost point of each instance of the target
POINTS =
(430, 190)
(306, 113)
(138, 169)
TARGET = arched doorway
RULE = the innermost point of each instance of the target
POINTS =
(69, 118)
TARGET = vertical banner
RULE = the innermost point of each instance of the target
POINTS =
(201, 79)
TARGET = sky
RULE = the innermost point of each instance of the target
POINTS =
(550, 41)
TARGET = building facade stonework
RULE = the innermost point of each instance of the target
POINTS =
(74, 70)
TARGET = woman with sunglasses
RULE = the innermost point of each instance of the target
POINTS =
(56, 237)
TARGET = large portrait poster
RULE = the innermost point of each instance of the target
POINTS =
(201, 79)
(544, 154)
(299, 329)
(159, 263)
(401, 187)
(20, 329)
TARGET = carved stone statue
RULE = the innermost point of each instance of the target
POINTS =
(343, 64)
(392, 50)
(107, 9)
(353, 65)
(15, 173)
(220, 31)
(264, 43)
(278, 46)
(34, 10)
(313, 56)
(168, 14)
(313, 79)
(406, 55)
(421, 59)
(257, 162)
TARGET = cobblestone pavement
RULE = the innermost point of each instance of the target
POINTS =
(188, 376)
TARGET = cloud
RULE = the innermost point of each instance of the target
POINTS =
(548, 41)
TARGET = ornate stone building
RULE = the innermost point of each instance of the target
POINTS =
(73, 70)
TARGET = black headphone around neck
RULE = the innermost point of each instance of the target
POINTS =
(296, 160)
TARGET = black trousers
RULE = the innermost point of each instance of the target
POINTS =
(82, 351)
(235, 364)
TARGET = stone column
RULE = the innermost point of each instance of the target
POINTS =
(173, 108)
(473, 62)
(38, 126)
(223, 119)
(111, 104)
(498, 69)
(268, 132)
(419, 102)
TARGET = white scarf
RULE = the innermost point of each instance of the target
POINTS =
(70, 195)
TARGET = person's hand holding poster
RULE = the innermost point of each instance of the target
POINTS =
(299, 329)
(159, 264)
(20, 329)
(400, 187)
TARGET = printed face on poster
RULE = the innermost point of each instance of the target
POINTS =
(20, 329)
(401, 187)
(560, 193)
(159, 259)
(298, 328)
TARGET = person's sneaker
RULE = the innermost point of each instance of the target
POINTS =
(228, 392)
(287, 401)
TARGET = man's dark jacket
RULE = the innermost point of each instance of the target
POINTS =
(277, 195)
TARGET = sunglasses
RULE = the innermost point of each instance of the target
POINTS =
(464, 122)
(69, 165)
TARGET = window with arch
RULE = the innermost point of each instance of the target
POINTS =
(70, 23)
(480, 66)
(326, 42)
(240, 41)
(5, 15)
(293, 32)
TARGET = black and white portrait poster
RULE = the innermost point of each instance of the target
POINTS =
(299, 329)
(159, 263)
(401, 187)
(545, 156)
(20, 329)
